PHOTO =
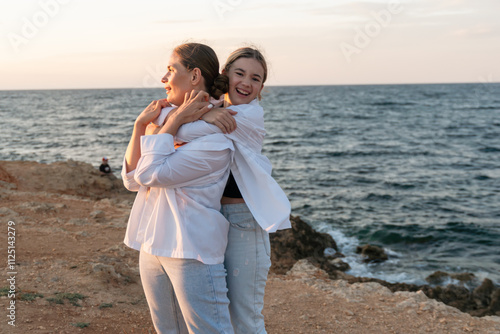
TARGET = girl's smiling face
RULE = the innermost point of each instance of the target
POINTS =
(245, 80)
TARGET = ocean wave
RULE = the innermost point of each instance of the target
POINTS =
(392, 103)
(377, 153)
(399, 185)
(378, 197)
(489, 149)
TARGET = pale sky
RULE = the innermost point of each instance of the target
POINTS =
(58, 44)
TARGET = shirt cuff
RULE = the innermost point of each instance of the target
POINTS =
(157, 144)
(125, 175)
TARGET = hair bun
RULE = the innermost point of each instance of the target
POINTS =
(220, 86)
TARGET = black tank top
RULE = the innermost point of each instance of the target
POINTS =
(231, 189)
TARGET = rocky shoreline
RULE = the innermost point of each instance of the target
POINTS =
(302, 242)
(73, 267)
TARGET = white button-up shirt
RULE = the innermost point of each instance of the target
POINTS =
(251, 169)
(177, 209)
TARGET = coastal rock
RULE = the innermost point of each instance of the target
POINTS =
(7, 185)
(441, 277)
(494, 308)
(339, 264)
(302, 242)
(437, 277)
(299, 242)
(477, 303)
(452, 295)
(464, 278)
(372, 253)
(7, 212)
(483, 294)
(6, 177)
(98, 215)
(63, 177)
(304, 269)
(310, 274)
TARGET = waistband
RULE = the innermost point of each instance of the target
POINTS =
(234, 208)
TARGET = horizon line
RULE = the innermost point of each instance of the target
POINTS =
(310, 85)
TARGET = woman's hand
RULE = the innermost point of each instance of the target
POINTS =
(222, 118)
(151, 112)
(133, 153)
(152, 129)
(194, 106)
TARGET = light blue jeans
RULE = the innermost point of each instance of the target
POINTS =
(247, 261)
(185, 295)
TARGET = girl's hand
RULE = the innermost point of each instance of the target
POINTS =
(194, 106)
(151, 112)
(222, 118)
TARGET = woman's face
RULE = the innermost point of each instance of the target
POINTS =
(177, 80)
(245, 80)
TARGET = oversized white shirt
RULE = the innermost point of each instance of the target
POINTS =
(177, 209)
(251, 169)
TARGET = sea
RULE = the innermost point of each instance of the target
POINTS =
(414, 169)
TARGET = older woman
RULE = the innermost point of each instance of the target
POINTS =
(175, 221)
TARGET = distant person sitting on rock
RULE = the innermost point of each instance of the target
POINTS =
(104, 168)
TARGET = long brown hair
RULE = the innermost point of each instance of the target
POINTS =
(196, 55)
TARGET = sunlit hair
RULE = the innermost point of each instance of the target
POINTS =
(246, 52)
(196, 55)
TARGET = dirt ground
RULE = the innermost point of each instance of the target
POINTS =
(72, 274)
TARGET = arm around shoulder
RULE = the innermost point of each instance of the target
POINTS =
(162, 166)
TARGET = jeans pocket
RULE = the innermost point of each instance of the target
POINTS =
(267, 242)
(241, 221)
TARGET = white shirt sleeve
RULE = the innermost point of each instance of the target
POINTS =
(128, 178)
(190, 131)
(249, 119)
(163, 114)
(249, 126)
(162, 166)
